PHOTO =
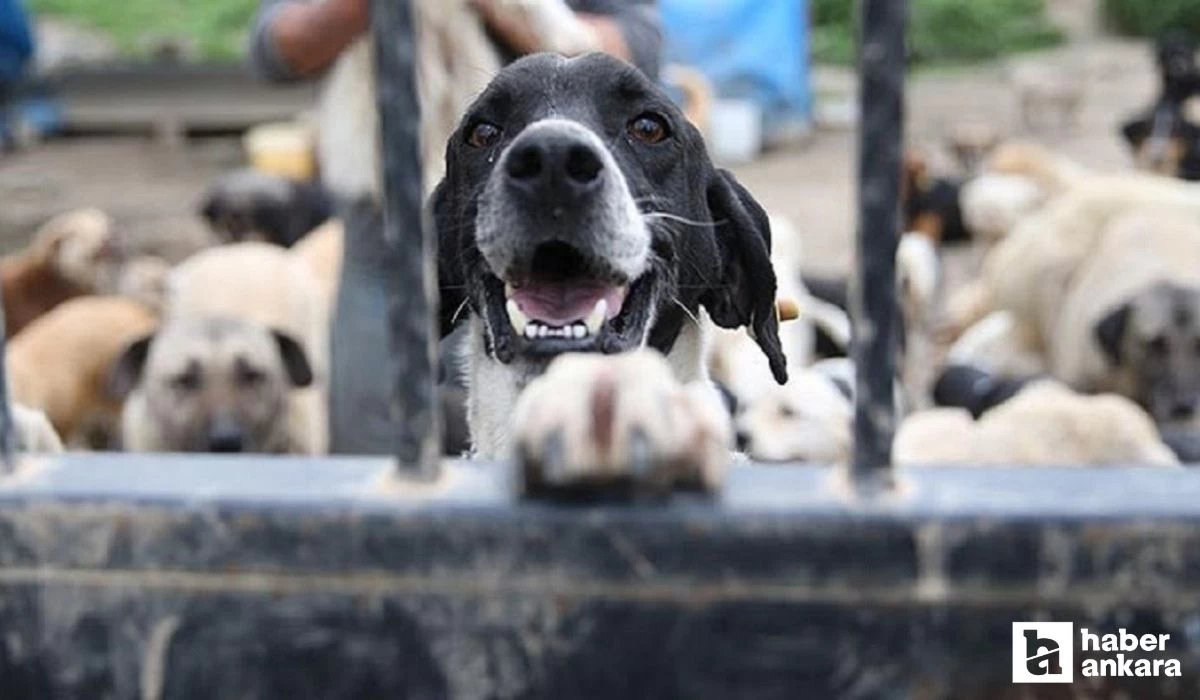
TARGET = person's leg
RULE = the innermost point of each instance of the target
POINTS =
(360, 369)
(361, 373)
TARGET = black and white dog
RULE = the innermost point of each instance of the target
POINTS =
(580, 213)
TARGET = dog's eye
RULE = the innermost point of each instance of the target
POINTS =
(649, 128)
(187, 381)
(1157, 345)
(483, 134)
(250, 377)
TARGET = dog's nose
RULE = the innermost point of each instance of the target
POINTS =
(226, 437)
(544, 164)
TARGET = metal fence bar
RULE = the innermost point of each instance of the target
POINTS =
(8, 440)
(414, 279)
(873, 298)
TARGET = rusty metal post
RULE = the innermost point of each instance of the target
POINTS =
(873, 298)
(413, 284)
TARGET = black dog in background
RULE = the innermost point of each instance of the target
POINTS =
(251, 205)
(1162, 138)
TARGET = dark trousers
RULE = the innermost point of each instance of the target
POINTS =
(361, 374)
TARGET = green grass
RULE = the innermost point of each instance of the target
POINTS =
(942, 31)
(218, 28)
(1152, 17)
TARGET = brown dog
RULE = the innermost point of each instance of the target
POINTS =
(71, 255)
(60, 364)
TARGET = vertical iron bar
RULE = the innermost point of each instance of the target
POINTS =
(7, 428)
(414, 279)
(873, 298)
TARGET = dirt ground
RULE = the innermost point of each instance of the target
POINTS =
(154, 188)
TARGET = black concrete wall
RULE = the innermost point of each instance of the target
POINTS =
(207, 577)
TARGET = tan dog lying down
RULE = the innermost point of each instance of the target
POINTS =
(1137, 253)
(1031, 270)
(273, 290)
(60, 365)
(1100, 276)
(1044, 424)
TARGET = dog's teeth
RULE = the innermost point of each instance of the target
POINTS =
(516, 318)
(597, 317)
(508, 290)
(579, 330)
(531, 331)
(543, 331)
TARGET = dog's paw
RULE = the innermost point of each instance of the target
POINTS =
(594, 421)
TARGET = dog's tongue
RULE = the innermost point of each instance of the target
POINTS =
(559, 303)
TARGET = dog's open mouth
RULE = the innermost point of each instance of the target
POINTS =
(556, 309)
(564, 300)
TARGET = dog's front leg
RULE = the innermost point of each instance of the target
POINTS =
(593, 421)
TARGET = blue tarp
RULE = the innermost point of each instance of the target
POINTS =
(16, 41)
(748, 48)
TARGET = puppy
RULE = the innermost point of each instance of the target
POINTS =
(930, 205)
(61, 362)
(1044, 424)
(810, 419)
(211, 384)
(274, 289)
(580, 213)
(1163, 140)
(970, 143)
(71, 255)
(251, 205)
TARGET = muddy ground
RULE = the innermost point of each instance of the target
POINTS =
(153, 188)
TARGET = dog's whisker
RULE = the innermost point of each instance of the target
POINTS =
(676, 218)
(686, 310)
(458, 312)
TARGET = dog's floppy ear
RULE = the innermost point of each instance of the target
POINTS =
(745, 293)
(295, 360)
(1110, 331)
(452, 293)
(126, 372)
